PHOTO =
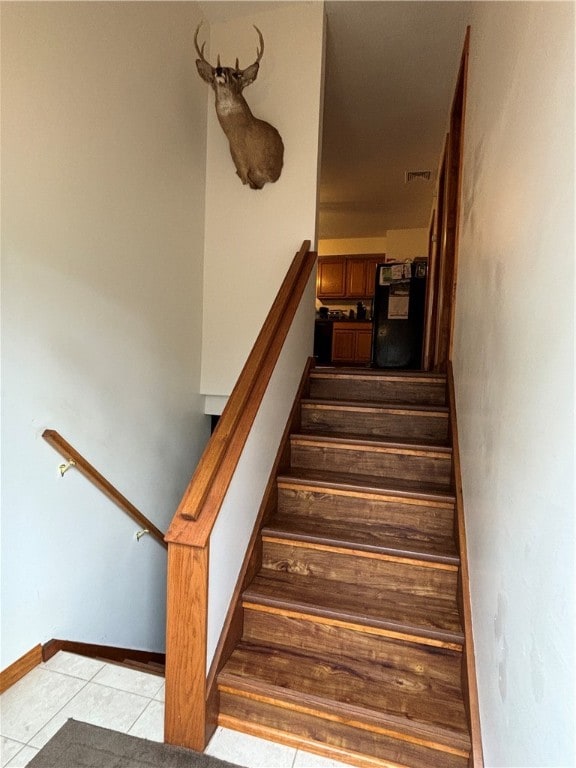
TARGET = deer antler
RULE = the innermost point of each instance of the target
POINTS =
(200, 51)
(260, 51)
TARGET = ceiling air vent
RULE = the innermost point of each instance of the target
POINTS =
(413, 175)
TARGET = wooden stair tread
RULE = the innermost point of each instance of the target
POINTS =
(367, 483)
(399, 442)
(354, 534)
(416, 615)
(379, 695)
(377, 405)
(377, 373)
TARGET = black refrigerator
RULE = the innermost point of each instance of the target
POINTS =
(399, 308)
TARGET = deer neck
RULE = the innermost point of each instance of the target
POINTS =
(232, 108)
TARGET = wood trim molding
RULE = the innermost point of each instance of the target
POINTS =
(470, 686)
(109, 653)
(19, 668)
(206, 491)
(91, 473)
(445, 271)
(459, 116)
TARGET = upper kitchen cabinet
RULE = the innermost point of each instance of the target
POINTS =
(371, 265)
(347, 277)
(360, 276)
(356, 277)
(331, 277)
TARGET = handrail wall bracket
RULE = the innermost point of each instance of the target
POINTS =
(63, 468)
(76, 460)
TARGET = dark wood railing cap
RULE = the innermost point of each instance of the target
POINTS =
(197, 512)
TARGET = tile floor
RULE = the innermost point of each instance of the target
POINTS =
(125, 700)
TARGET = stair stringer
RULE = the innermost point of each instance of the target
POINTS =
(469, 680)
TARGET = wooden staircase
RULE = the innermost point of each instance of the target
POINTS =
(352, 639)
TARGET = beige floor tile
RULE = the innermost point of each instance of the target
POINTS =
(8, 749)
(150, 724)
(31, 702)
(74, 665)
(23, 757)
(98, 705)
(125, 679)
(310, 760)
(249, 751)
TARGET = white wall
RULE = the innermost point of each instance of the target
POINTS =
(233, 528)
(514, 371)
(396, 244)
(404, 244)
(252, 235)
(103, 175)
(351, 245)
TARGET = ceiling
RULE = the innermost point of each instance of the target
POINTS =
(391, 70)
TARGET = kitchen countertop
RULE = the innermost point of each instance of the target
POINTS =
(341, 320)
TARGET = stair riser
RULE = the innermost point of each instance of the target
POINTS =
(339, 740)
(426, 466)
(347, 686)
(410, 664)
(372, 389)
(374, 571)
(374, 422)
(326, 504)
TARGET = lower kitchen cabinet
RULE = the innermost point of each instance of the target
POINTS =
(352, 342)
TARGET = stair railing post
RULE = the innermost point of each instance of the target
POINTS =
(187, 611)
(187, 722)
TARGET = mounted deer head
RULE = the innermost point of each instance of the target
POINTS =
(255, 146)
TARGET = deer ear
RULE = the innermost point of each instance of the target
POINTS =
(205, 70)
(249, 74)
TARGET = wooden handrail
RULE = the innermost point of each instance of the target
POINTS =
(205, 493)
(85, 468)
(187, 720)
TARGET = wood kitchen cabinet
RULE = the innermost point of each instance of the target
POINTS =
(356, 278)
(371, 265)
(347, 277)
(363, 349)
(331, 278)
(352, 342)
(360, 277)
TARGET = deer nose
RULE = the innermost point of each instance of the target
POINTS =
(219, 71)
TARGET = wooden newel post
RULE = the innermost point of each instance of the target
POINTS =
(187, 722)
(187, 610)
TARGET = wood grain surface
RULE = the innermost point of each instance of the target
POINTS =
(421, 422)
(19, 668)
(352, 641)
